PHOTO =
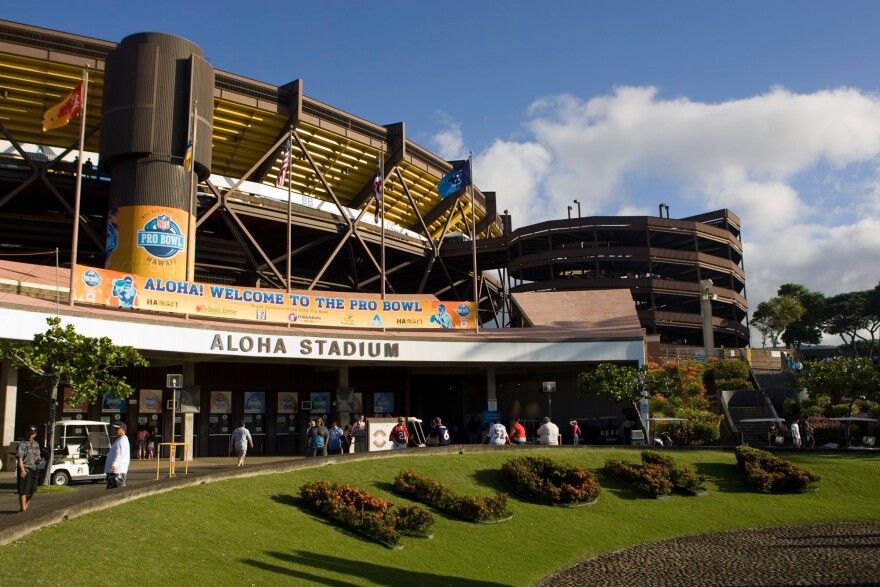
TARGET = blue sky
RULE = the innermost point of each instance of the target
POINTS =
(770, 109)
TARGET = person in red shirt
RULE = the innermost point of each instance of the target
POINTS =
(399, 434)
(517, 432)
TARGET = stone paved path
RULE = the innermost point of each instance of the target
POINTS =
(827, 554)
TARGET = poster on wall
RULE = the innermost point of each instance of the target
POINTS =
(321, 402)
(150, 401)
(288, 402)
(254, 402)
(112, 405)
(348, 400)
(69, 405)
(383, 402)
(191, 399)
(221, 402)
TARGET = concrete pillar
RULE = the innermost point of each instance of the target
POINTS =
(491, 392)
(187, 421)
(8, 401)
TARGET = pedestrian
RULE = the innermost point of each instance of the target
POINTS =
(548, 433)
(310, 449)
(116, 467)
(575, 432)
(399, 435)
(795, 434)
(359, 432)
(141, 439)
(335, 434)
(320, 438)
(440, 433)
(27, 459)
(152, 434)
(807, 438)
(240, 441)
(347, 440)
(517, 432)
(498, 433)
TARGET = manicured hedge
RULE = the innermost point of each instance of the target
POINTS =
(543, 479)
(435, 494)
(766, 472)
(657, 475)
(357, 510)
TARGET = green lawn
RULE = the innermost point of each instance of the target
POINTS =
(251, 532)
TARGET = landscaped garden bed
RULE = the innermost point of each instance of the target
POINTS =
(543, 479)
(474, 509)
(768, 473)
(657, 476)
(359, 511)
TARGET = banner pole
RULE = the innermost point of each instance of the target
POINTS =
(78, 196)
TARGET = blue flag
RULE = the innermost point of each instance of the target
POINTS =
(455, 180)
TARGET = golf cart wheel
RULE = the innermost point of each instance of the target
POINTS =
(60, 478)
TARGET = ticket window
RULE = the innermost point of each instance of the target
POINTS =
(219, 434)
(285, 434)
(256, 424)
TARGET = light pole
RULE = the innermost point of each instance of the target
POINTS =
(579, 207)
(706, 312)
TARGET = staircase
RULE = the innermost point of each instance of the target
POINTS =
(751, 433)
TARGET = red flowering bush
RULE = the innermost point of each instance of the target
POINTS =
(360, 511)
(434, 493)
(765, 471)
(681, 478)
(543, 479)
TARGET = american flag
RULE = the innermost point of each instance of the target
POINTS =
(377, 189)
(285, 163)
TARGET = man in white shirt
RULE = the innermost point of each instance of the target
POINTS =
(118, 458)
(548, 433)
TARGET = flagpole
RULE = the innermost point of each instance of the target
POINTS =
(474, 243)
(382, 205)
(289, 206)
(78, 193)
(190, 235)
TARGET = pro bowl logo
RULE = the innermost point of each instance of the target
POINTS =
(91, 278)
(463, 310)
(161, 237)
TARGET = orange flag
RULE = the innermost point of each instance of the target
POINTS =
(61, 113)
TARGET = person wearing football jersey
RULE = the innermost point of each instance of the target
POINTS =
(399, 435)
(498, 433)
(440, 433)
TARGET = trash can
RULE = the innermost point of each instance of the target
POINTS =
(10, 456)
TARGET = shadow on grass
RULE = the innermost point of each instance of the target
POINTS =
(308, 566)
(490, 479)
(620, 489)
(725, 475)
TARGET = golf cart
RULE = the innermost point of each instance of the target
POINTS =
(81, 448)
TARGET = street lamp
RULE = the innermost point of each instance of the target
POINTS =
(579, 207)
(569, 212)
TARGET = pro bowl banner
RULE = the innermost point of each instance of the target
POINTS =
(301, 307)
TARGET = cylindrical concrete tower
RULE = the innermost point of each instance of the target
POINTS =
(158, 99)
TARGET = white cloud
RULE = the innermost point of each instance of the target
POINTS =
(449, 141)
(801, 170)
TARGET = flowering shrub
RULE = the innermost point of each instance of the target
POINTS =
(544, 479)
(681, 478)
(767, 472)
(652, 479)
(359, 511)
(434, 493)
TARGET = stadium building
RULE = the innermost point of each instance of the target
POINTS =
(289, 259)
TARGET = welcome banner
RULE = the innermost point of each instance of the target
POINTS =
(126, 290)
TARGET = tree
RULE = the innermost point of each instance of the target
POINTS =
(808, 328)
(89, 366)
(843, 379)
(622, 383)
(772, 317)
(845, 315)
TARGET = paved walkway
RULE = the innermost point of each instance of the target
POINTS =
(840, 554)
